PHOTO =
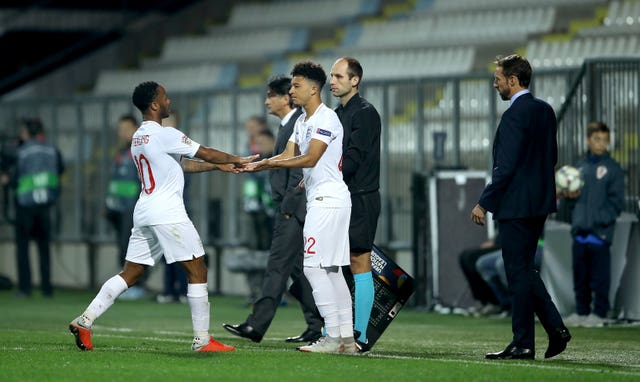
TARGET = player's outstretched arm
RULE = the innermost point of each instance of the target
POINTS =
(211, 155)
(313, 155)
(192, 166)
(309, 159)
(289, 151)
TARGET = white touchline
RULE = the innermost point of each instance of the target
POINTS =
(527, 364)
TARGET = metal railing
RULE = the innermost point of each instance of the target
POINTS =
(609, 91)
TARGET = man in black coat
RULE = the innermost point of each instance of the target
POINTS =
(285, 258)
(520, 196)
(361, 173)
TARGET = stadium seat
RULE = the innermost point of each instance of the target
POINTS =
(178, 79)
(623, 18)
(460, 28)
(298, 13)
(234, 46)
(469, 5)
(398, 64)
(572, 53)
(622, 13)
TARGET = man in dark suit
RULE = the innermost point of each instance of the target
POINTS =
(520, 196)
(285, 258)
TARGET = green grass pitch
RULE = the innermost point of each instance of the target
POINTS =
(145, 341)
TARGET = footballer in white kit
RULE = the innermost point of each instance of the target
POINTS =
(316, 146)
(160, 222)
(326, 228)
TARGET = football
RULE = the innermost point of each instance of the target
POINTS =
(568, 179)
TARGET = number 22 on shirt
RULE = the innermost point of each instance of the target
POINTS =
(309, 243)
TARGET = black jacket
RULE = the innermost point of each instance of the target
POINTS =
(601, 198)
(360, 145)
(525, 152)
(285, 180)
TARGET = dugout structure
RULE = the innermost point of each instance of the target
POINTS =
(443, 200)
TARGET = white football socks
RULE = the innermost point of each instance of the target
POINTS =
(198, 297)
(344, 304)
(107, 295)
(333, 299)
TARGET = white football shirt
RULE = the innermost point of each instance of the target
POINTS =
(156, 151)
(323, 182)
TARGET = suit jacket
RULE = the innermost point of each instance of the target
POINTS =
(525, 152)
(285, 180)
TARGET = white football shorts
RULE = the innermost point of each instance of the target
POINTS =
(326, 236)
(176, 241)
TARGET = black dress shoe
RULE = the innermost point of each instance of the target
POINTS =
(244, 330)
(308, 335)
(362, 347)
(512, 352)
(557, 342)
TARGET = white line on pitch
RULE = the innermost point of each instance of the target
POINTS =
(444, 360)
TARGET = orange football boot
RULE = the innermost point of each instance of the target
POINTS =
(212, 346)
(81, 333)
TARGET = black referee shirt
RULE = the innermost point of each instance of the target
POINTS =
(360, 145)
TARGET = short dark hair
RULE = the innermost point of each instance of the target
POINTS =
(515, 65)
(597, 127)
(33, 126)
(353, 67)
(144, 94)
(129, 118)
(280, 85)
(310, 70)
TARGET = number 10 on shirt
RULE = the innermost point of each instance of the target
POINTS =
(141, 161)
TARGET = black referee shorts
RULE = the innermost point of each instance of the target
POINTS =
(365, 210)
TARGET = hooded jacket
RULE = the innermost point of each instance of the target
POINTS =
(601, 198)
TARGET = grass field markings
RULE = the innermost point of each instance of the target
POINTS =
(187, 334)
(98, 331)
(584, 357)
(171, 333)
(131, 330)
(113, 329)
(145, 338)
(166, 339)
(525, 364)
(522, 364)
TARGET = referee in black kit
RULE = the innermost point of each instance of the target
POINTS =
(361, 173)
